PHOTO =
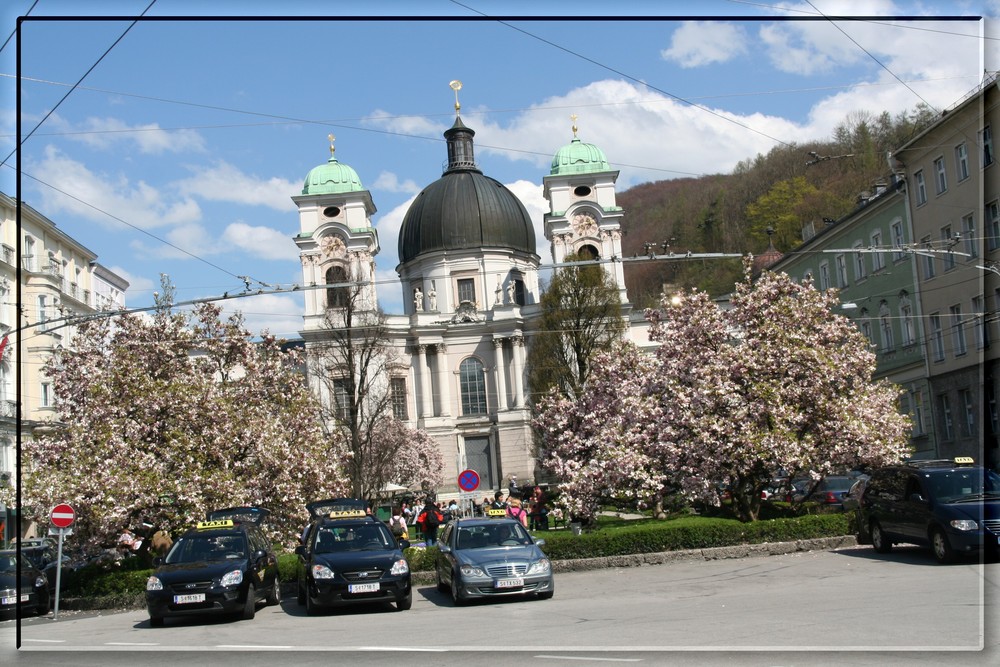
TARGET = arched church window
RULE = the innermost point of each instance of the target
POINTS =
(587, 253)
(472, 381)
(336, 297)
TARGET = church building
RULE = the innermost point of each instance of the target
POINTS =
(469, 270)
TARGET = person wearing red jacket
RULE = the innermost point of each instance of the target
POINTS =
(428, 520)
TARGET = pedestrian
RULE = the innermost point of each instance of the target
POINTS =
(397, 524)
(513, 490)
(160, 543)
(498, 502)
(539, 510)
(429, 519)
(515, 511)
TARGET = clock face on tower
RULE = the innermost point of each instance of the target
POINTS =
(584, 223)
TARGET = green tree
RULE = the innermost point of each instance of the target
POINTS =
(162, 419)
(581, 315)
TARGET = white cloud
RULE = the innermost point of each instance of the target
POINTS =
(138, 204)
(279, 314)
(106, 133)
(138, 286)
(530, 195)
(390, 182)
(227, 183)
(406, 125)
(695, 44)
(262, 242)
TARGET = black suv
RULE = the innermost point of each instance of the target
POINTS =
(224, 564)
(953, 506)
(349, 557)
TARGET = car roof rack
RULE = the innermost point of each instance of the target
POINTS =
(941, 463)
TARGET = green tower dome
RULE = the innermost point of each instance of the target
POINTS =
(578, 157)
(331, 178)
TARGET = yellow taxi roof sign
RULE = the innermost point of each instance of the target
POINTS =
(218, 523)
(964, 459)
(347, 514)
(496, 512)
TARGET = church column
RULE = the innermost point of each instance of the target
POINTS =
(500, 375)
(444, 381)
(426, 405)
(517, 354)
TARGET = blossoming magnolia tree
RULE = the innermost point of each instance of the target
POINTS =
(776, 382)
(162, 419)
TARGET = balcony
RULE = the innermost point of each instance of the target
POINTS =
(8, 409)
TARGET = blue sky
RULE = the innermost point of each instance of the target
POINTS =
(181, 149)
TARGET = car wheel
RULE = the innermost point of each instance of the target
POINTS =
(880, 542)
(300, 594)
(156, 621)
(274, 593)
(405, 603)
(250, 606)
(942, 548)
(546, 595)
(311, 607)
(456, 592)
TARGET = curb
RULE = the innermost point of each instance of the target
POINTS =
(124, 602)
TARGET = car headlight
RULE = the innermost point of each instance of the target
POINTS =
(232, 578)
(322, 572)
(471, 571)
(154, 584)
(41, 581)
(540, 566)
(400, 567)
(964, 524)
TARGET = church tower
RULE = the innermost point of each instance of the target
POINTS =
(584, 218)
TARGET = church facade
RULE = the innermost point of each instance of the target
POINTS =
(469, 270)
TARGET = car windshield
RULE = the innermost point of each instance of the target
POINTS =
(8, 563)
(836, 483)
(356, 537)
(499, 535)
(957, 485)
(202, 548)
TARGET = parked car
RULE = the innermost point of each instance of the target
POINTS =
(28, 589)
(488, 558)
(44, 558)
(224, 564)
(952, 506)
(832, 490)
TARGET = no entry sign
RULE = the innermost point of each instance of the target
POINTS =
(62, 516)
(468, 480)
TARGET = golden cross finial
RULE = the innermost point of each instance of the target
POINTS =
(456, 85)
(573, 118)
(331, 137)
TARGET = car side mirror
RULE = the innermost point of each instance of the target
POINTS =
(404, 544)
(917, 498)
(443, 548)
(300, 550)
(259, 554)
(158, 561)
(540, 542)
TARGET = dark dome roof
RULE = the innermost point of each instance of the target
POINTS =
(464, 210)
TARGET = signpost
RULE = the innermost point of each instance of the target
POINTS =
(468, 480)
(61, 518)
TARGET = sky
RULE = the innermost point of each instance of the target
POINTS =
(174, 144)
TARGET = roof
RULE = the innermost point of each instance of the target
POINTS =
(578, 157)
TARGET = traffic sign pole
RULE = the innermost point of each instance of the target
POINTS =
(62, 517)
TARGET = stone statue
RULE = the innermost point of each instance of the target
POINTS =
(433, 296)
(510, 292)
(418, 300)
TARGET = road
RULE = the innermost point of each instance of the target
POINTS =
(848, 607)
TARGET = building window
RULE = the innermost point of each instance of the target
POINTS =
(946, 242)
(986, 141)
(28, 260)
(917, 404)
(941, 177)
(991, 401)
(43, 309)
(906, 313)
(45, 401)
(969, 232)
(885, 325)
(946, 423)
(397, 389)
(519, 291)
(979, 324)
(937, 337)
(824, 276)
(866, 326)
(841, 271)
(341, 401)
(859, 263)
(472, 381)
(466, 290)
(993, 223)
(969, 423)
(897, 241)
(962, 161)
(878, 259)
(957, 331)
(918, 178)
(928, 259)
(337, 297)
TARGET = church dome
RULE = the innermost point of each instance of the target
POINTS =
(578, 157)
(331, 178)
(464, 210)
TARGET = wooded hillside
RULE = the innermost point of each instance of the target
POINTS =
(731, 213)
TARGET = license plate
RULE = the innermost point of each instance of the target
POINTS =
(188, 599)
(363, 588)
(13, 598)
(516, 582)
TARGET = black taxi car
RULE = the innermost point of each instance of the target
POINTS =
(952, 506)
(224, 564)
(22, 585)
(350, 557)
